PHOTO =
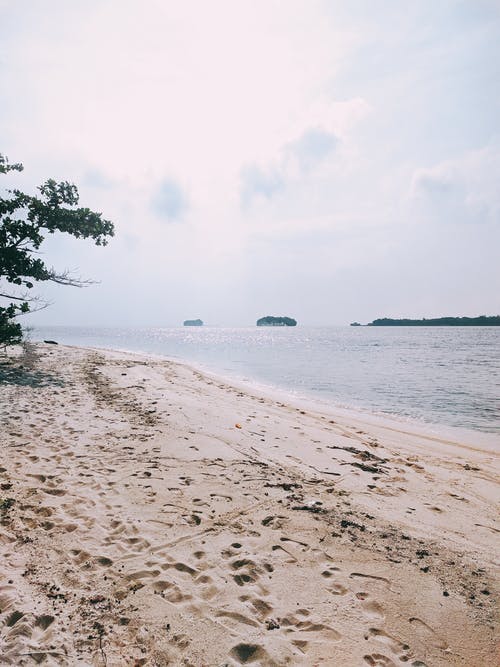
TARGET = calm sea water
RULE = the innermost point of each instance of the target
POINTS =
(440, 375)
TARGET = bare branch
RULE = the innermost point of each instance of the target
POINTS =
(11, 296)
(66, 278)
(26, 297)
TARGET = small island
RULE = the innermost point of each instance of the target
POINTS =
(270, 321)
(355, 324)
(481, 321)
(193, 323)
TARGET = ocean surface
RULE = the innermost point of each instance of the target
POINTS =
(438, 375)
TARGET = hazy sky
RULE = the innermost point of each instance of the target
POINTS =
(327, 160)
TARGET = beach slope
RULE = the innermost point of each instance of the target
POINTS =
(154, 515)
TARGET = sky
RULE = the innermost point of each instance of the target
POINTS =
(330, 160)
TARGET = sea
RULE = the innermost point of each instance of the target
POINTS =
(446, 376)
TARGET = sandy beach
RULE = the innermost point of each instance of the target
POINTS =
(155, 515)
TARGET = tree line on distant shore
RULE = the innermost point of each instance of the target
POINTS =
(482, 320)
(272, 321)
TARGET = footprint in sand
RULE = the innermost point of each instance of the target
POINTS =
(338, 589)
(207, 587)
(275, 522)
(200, 554)
(20, 627)
(399, 649)
(279, 550)
(330, 572)
(170, 591)
(248, 653)
(237, 617)
(258, 606)
(325, 631)
(104, 561)
(180, 567)
(371, 608)
(378, 660)
(309, 630)
(54, 492)
(425, 630)
(372, 577)
(80, 557)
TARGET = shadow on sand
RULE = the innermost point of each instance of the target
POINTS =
(22, 371)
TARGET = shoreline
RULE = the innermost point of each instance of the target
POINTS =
(456, 435)
(434, 410)
(153, 514)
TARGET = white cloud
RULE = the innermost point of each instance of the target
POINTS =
(465, 187)
(348, 135)
(169, 201)
(296, 160)
(312, 147)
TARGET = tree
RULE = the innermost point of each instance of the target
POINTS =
(25, 221)
(271, 321)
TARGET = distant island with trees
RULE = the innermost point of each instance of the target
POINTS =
(481, 321)
(193, 323)
(270, 321)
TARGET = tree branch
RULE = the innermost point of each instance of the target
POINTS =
(65, 278)
(11, 296)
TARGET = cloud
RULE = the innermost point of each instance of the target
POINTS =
(464, 189)
(436, 182)
(344, 132)
(312, 147)
(297, 159)
(94, 178)
(170, 202)
(260, 182)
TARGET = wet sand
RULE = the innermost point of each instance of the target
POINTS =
(154, 515)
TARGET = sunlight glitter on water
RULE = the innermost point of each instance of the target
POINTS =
(440, 375)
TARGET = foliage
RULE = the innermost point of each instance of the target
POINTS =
(10, 332)
(25, 221)
(270, 321)
(481, 321)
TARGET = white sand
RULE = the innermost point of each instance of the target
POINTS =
(164, 517)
